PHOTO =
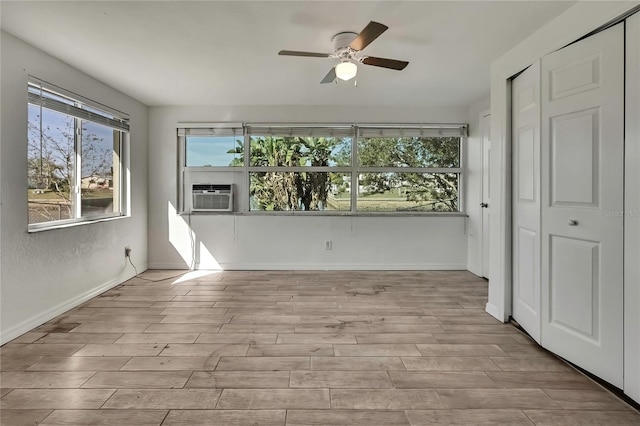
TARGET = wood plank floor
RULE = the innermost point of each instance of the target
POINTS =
(293, 348)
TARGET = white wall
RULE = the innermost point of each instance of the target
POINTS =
(577, 21)
(473, 185)
(291, 242)
(46, 273)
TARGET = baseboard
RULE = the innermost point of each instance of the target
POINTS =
(493, 310)
(325, 266)
(178, 266)
(474, 271)
(37, 320)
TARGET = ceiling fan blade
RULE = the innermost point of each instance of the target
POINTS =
(308, 54)
(393, 64)
(330, 77)
(371, 32)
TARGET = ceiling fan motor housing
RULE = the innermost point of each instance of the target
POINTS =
(342, 40)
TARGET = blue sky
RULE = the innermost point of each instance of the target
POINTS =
(56, 124)
(210, 151)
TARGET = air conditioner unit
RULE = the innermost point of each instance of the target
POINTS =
(210, 197)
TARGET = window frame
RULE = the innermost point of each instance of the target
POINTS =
(353, 170)
(300, 130)
(82, 109)
(427, 131)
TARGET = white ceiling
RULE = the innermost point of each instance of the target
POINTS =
(225, 53)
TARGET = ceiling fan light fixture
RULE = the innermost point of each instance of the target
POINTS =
(346, 70)
(347, 46)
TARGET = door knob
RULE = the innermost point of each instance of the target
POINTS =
(484, 205)
(573, 222)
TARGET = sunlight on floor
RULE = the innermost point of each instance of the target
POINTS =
(195, 274)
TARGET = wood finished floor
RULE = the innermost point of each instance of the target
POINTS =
(293, 348)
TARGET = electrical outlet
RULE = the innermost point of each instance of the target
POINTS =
(328, 245)
(127, 251)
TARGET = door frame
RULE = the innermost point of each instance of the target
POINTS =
(481, 243)
(577, 21)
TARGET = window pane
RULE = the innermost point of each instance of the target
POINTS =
(100, 169)
(206, 151)
(307, 191)
(409, 152)
(296, 151)
(407, 192)
(51, 165)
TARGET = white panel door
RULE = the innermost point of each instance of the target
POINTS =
(582, 189)
(632, 211)
(485, 125)
(525, 92)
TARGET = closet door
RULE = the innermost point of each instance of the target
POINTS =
(632, 214)
(582, 203)
(525, 92)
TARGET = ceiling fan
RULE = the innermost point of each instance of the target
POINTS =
(347, 46)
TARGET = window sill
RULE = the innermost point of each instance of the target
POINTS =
(71, 224)
(327, 214)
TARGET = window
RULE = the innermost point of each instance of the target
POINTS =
(404, 169)
(325, 168)
(299, 168)
(214, 147)
(74, 158)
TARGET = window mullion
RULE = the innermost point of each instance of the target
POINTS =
(410, 170)
(41, 140)
(285, 169)
(118, 176)
(355, 185)
(77, 169)
(247, 163)
(462, 152)
(182, 193)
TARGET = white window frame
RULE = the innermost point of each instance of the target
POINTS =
(81, 108)
(298, 129)
(354, 170)
(400, 130)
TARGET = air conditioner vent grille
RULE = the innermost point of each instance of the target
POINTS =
(211, 197)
